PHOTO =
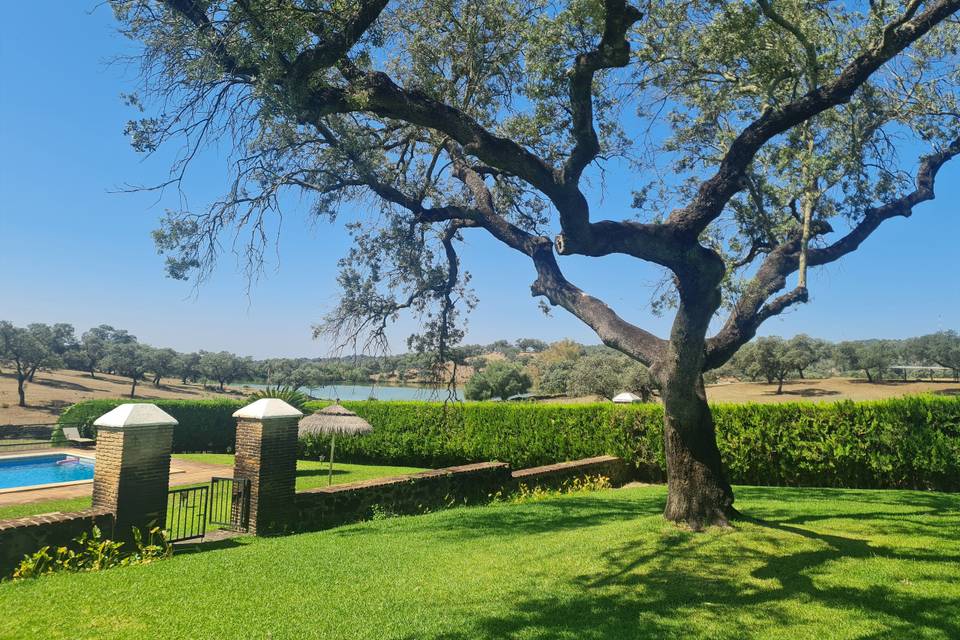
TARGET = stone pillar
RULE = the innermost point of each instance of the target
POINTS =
(266, 454)
(132, 468)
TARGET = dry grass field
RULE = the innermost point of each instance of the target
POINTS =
(829, 389)
(53, 391)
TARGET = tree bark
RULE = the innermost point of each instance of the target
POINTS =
(20, 392)
(698, 492)
(780, 385)
(133, 388)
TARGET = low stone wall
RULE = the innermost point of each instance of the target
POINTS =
(24, 536)
(552, 476)
(327, 507)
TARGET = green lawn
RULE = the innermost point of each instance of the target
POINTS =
(310, 474)
(814, 563)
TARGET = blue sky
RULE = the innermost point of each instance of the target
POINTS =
(74, 250)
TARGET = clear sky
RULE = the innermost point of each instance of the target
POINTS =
(74, 250)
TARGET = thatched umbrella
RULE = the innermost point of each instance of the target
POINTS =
(334, 420)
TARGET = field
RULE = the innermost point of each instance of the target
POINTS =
(811, 563)
(53, 391)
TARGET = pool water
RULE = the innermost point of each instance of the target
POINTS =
(27, 471)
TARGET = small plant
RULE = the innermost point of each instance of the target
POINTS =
(57, 439)
(580, 484)
(289, 395)
(94, 553)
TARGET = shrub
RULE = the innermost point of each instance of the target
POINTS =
(291, 396)
(203, 425)
(57, 439)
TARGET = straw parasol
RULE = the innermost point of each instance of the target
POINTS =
(334, 420)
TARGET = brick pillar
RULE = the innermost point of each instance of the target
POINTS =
(266, 454)
(132, 467)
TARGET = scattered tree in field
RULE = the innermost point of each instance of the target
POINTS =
(531, 345)
(464, 117)
(941, 349)
(223, 367)
(873, 357)
(497, 380)
(187, 366)
(600, 375)
(160, 363)
(127, 359)
(26, 349)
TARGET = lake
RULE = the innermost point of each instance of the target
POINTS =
(380, 392)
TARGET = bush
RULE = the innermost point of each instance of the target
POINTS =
(203, 425)
(57, 439)
(901, 443)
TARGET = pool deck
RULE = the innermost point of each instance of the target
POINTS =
(181, 472)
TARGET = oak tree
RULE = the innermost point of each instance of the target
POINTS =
(764, 139)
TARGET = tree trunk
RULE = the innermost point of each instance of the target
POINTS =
(800, 371)
(156, 381)
(133, 387)
(20, 392)
(869, 377)
(780, 386)
(698, 492)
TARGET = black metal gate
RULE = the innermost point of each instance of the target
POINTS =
(230, 503)
(187, 513)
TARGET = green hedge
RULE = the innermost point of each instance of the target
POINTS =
(901, 443)
(911, 442)
(204, 425)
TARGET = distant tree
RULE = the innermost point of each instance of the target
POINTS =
(161, 363)
(223, 367)
(187, 366)
(873, 357)
(26, 350)
(497, 380)
(554, 377)
(941, 349)
(531, 345)
(638, 380)
(127, 359)
(600, 375)
(774, 359)
(805, 352)
(92, 348)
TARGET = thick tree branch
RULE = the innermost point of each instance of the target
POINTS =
(715, 192)
(752, 309)
(613, 51)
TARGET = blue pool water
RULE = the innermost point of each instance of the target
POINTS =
(27, 471)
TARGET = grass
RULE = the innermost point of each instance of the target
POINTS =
(310, 474)
(812, 563)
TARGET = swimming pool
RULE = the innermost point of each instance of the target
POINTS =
(30, 471)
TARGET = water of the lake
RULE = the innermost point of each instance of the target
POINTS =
(380, 392)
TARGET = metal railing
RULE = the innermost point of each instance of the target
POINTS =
(229, 505)
(187, 513)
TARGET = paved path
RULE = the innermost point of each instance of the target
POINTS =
(181, 472)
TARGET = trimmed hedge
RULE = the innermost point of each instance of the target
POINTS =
(911, 442)
(204, 425)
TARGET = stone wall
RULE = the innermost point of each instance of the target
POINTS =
(327, 507)
(24, 536)
(26, 432)
(553, 476)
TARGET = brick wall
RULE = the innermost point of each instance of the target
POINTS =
(131, 475)
(267, 456)
(327, 507)
(553, 476)
(24, 536)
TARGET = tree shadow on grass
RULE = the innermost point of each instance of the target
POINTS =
(674, 583)
(312, 473)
